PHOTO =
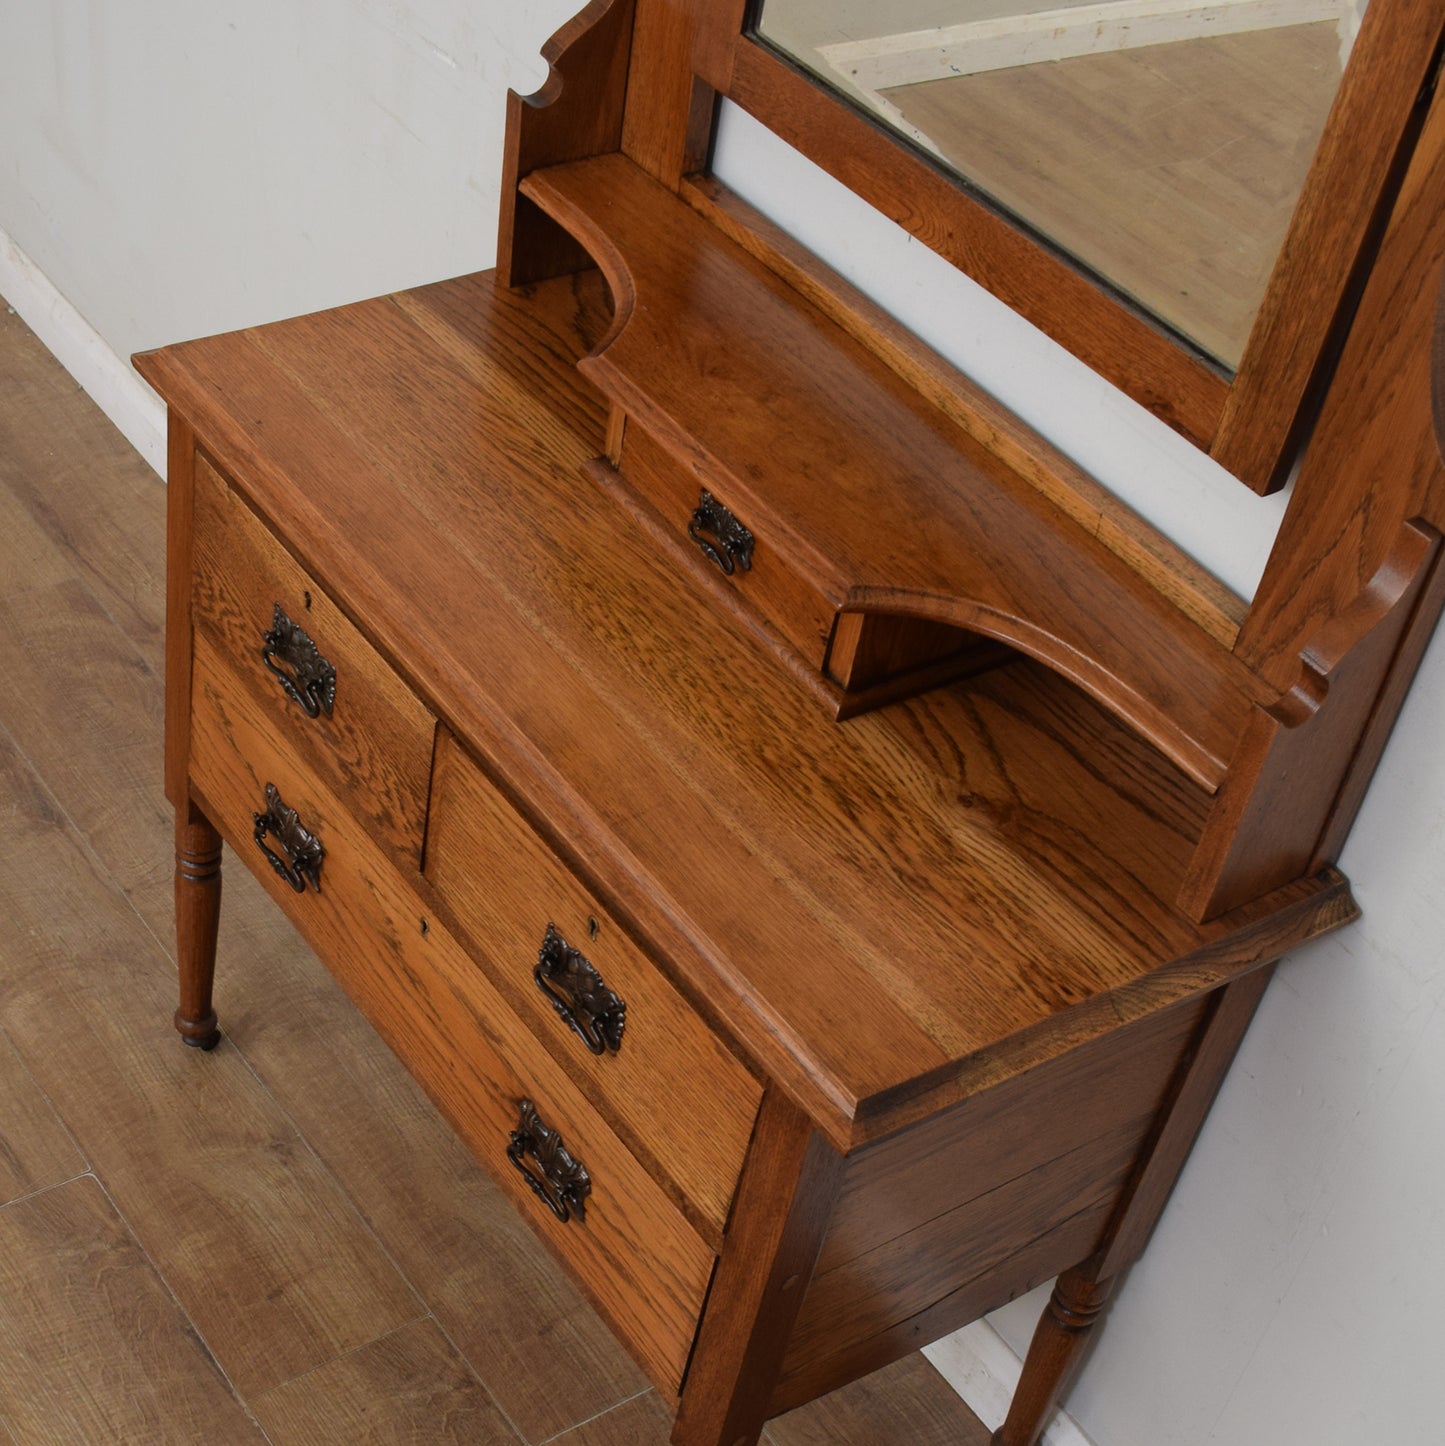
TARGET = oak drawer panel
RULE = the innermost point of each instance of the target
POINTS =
(796, 601)
(633, 1252)
(375, 743)
(674, 1092)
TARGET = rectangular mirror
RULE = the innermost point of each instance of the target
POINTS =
(1163, 144)
(1178, 192)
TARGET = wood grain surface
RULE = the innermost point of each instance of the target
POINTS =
(576, 113)
(633, 1250)
(78, 1290)
(505, 888)
(410, 1388)
(375, 742)
(36, 1150)
(1170, 570)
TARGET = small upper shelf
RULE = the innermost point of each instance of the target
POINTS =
(884, 502)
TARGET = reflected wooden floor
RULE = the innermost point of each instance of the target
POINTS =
(280, 1241)
(1172, 170)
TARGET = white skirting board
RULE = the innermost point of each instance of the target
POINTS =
(982, 1367)
(110, 382)
(976, 1362)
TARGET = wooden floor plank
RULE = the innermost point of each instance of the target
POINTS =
(87, 715)
(905, 1402)
(36, 1149)
(92, 1347)
(60, 453)
(642, 1421)
(271, 1261)
(409, 1389)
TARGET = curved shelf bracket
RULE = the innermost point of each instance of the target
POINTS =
(576, 113)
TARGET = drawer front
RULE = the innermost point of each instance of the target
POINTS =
(630, 1248)
(673, 1091)
(799, 606)
(352, 719)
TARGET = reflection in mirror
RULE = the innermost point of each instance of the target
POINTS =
(1162, 143)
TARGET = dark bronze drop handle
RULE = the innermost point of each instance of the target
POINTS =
(562, 1184)
(723, 539)
(289, 653)
(302, 851)
(593, 1011)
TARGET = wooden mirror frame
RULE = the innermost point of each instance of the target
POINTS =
(1250, 422)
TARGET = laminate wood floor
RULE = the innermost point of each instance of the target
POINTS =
(280, 1241)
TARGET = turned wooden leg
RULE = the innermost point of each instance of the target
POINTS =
(198, 917)
(1054, 1356)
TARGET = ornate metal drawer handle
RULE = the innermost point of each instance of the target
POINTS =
(287, 650)
(563, 1185)
(302, 850)
(593, 1011)
(730, 543)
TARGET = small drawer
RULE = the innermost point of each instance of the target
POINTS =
(629, 1245)
(795, 596)
(680, 1099)
(869, 658)
(352, 719)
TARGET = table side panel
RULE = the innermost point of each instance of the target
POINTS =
(941, 1222)
(1112, 1086)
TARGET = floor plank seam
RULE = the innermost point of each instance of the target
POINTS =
(191, 1325)
(428, 1312)
(40, 1190)
(44, 1094)
(578, 1425)
(328, 1173)
(480, 1379)
(345, 1355)
(63, 818)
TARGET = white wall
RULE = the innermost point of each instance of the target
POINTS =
(175, 167)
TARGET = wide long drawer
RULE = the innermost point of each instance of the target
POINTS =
(309, 669)
(624, 1239)
(683, 1102)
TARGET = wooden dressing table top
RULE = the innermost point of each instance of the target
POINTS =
(885, 914)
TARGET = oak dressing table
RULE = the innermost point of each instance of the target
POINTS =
(818, 849)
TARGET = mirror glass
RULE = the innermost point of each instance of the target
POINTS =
(1160, 143)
